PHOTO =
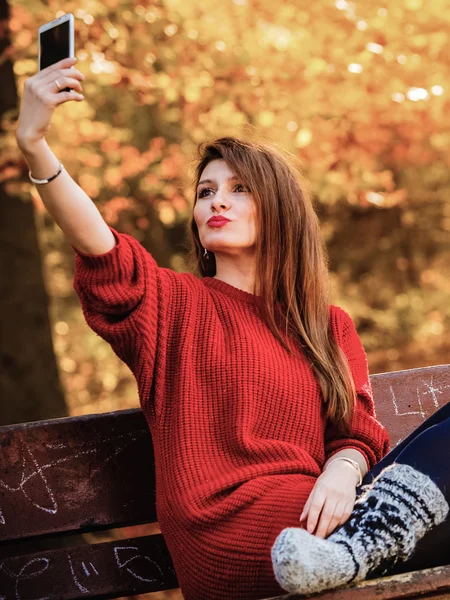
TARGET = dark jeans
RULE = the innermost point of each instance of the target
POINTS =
(427, 449)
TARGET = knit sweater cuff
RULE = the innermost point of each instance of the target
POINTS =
(108, 261)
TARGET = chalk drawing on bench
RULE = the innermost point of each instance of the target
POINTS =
(432, 391)
(125, 558)
(79, 585)
(412, 412)
(119, 550)
(22, 575)
(86, 570)
(37, 470)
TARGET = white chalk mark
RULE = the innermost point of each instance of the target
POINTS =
(432, 391)
(51, 495)
(20, 576)
(86, 570)
(39, 469)
(23, 480)
(121, 564)
(422, 412)
(402, 414)
(75, 578)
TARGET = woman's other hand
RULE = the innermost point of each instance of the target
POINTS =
(331, 500)
(41, 97)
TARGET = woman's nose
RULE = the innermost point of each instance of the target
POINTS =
(220, 199)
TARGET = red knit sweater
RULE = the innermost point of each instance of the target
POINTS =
(238, 425)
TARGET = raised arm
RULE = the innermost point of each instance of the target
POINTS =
(66, 202)
(118, 282)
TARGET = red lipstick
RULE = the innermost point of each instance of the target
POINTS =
(217, 221)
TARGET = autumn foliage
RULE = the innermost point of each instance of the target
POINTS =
(358, 91)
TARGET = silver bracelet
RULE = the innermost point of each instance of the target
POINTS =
(42, 181)
(352, 462)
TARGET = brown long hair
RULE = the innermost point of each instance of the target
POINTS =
(291, 262)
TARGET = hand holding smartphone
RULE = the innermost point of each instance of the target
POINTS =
(56, 74)
(56, 42)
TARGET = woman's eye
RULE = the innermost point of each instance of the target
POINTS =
(202, 193)
(242, 188)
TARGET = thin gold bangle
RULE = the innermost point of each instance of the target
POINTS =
(352, 462)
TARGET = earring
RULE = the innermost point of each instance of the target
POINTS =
(205, 254)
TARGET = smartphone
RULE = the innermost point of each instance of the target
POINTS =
(56, 41)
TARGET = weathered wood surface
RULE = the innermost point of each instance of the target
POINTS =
(76, 474)
(86, 473)
(109, 569)
(56, 474)
(404, 399)
(428, 583)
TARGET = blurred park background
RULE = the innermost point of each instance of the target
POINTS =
(358, 91)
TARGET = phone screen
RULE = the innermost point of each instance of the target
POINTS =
(54, 44)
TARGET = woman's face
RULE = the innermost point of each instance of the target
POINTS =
(221, 194)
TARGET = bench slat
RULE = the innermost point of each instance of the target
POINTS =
(57, 475)
(76, 474)
(404, 399)
(428, 583)
(109, 569)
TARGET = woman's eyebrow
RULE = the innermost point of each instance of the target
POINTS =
(213, 181)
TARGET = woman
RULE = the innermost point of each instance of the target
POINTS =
(255, 389)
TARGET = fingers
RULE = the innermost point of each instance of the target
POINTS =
(60, 74)
(325, 514)
(334, 521)
(306, 509)
(65, 96)
(331, 518)
(64, 82)
(45, 88)
(48, 94)
(327, 519)
(64, 72)
(317, 503)
(65, 63)
(67, 78)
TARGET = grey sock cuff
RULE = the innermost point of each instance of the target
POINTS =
(418, 487)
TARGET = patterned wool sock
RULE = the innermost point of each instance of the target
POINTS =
(393, 514)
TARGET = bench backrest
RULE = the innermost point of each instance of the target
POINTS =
(83, 474)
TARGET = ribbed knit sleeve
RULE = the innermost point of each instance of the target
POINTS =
(367, 434)
(119, 293)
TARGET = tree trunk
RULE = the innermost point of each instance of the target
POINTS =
(30, 388)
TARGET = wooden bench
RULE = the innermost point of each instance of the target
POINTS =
(96, 473)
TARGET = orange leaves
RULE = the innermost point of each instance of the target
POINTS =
(172, 165)
(110, 145)
(133, 162)
(115, 206)
(113, 177)
(90, 159)
(90, 184)
(373, 139)
(351, 88)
